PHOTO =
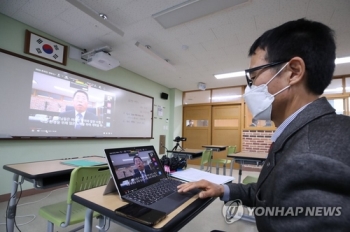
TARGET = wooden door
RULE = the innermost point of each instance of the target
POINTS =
(226, 127)
(196, 128)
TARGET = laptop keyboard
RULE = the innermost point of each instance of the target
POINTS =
(155, 192)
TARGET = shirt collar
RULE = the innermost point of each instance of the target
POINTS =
(83, 113)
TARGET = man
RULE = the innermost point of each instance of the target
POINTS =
(80, 103)
(309, 162)
(142, 172)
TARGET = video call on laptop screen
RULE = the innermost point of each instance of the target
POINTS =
(127, 173)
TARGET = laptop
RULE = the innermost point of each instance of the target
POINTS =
(148, 185)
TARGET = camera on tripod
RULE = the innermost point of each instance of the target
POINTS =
(179, 139)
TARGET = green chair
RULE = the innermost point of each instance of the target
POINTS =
(206, 159)
(206, 156)
(67, 213)
(224, 162)
(250, 179)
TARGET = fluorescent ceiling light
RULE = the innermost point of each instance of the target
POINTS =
(229, 75)
(92, 13)
(155, 56)
(342, 60)
(192, 9)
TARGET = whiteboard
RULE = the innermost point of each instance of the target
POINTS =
(39, 100)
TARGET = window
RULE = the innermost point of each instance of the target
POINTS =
(336, 86)
(338, 105)
(227, 94)
(196, 97)
(347, 84)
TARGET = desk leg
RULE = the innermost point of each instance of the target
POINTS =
(11, 213)
(240, 173)
(88, 220)
(231, 166)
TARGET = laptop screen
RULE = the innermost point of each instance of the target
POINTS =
(134, 167)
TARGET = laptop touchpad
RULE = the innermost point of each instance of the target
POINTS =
(178, 196)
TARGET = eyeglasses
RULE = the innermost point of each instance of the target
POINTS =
(248, 72)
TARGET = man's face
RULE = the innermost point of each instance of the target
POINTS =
(80, 102)
(262, 76)
(139, 164)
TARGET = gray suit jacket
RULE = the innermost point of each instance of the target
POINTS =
(308, 166)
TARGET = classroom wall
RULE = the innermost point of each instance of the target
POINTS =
(256, 140)
(12, 34)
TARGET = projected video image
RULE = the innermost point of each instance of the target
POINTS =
(61, 103)
(43, 101)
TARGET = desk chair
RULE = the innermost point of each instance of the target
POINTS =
(67, 213)
(248, 180)
(217, 162)
(206, 158)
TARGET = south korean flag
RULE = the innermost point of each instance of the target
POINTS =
(46, 48)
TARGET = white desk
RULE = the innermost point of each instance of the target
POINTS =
(43, 174)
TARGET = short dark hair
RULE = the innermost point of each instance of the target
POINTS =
(81, 91)
(312, 41)
(136, 157)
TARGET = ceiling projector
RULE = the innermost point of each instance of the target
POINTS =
(102, 60)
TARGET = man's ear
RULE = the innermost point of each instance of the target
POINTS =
(297, 68)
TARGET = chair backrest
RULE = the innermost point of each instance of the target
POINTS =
(250, 179)
(83, 178)
(205, 157)
(231, 150)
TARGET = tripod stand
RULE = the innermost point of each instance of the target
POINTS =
(177, 146)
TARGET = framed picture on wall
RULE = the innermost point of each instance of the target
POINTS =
(42, 47)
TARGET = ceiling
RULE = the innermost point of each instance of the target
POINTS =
(214, 44)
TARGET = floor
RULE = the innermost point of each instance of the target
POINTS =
(209, 219)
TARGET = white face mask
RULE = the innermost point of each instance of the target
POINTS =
(259, 100)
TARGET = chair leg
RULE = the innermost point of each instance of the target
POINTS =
(101, 223)
(49, 226)
(88, 220)
(224, 167)
(217, 168)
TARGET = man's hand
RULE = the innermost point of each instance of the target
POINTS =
(209, 189)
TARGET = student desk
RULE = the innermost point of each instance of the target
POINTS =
(94, 200)
(256, 158)
(212, 148)
(188, 153)
(43, 174)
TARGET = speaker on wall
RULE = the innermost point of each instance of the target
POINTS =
(164, 96)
